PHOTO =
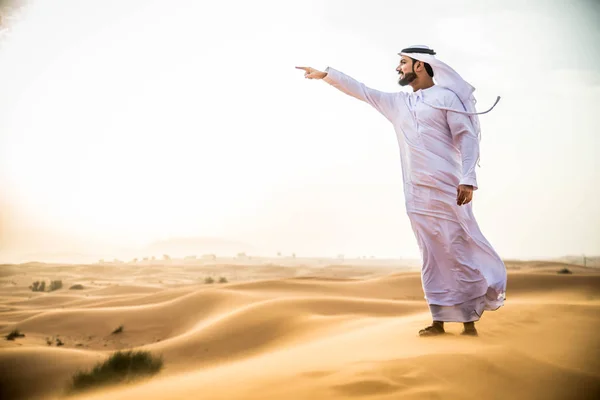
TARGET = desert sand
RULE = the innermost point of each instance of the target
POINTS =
(297, 332)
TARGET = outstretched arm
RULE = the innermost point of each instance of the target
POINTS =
(381, 101)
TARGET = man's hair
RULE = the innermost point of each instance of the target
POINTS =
(427, 67)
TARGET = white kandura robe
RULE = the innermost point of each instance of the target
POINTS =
(462, 275)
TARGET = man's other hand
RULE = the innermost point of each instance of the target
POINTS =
(311, 73)
(464, 194)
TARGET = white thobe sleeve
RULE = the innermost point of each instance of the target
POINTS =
(465, 139)
(381, 101)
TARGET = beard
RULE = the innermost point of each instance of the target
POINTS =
(407, 78)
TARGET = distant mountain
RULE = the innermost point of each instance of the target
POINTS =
(66, 257)
(189, 246)
(590, 261)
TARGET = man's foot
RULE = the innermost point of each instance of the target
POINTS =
(469, 329)
(433, 330)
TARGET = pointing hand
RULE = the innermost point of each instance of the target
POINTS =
(311, 73)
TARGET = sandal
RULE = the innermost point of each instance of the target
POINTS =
(470, 332)
(432, 330)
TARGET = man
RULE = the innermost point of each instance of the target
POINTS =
(438, 134)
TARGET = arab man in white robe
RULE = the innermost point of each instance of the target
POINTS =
(437, 129)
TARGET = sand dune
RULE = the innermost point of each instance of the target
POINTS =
(299, 335)
(31, 371)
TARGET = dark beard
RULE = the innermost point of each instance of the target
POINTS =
(407, 78)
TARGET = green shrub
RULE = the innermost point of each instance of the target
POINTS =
(565, 271)
(120, 367)
(38, 286)
(14, 334)
(55, 285)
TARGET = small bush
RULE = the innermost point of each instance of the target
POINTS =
(118, 330)
(209, 280)
(77, 287)
(38, 286)
(14, 334)
(59, 342)
(565, 271)
(222, 280)
(55, 285)
(118, 368)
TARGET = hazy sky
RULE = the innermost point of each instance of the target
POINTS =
(125, 122)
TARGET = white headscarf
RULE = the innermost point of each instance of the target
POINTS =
(446, 77)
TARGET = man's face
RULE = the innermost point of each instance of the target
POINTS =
(405, 71)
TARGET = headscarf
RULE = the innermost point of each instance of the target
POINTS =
(448, 78)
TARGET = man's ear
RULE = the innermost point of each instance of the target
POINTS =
(417, 65)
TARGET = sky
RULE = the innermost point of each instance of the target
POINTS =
(128, 122)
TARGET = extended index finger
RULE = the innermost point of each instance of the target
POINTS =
(303, 68)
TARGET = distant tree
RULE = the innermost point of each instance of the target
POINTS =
(278, 254)
(209, 280)
(153, 258)
(42, 287)
(55, 285)
(565, 271)
(222, 280)
(293, 255)
(166, 257)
